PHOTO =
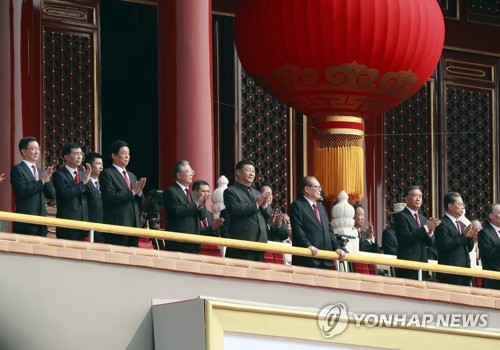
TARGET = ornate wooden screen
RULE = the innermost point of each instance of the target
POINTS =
(264, 133)
(407, 153)
(69, 97)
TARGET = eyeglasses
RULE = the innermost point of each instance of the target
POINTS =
(77, 153)
(189, 171)
(34, 149)
(318, 187)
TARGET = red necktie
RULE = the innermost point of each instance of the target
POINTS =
(35, 173)
(417, 219)
(316, 212)
(77, 179)
(188, 195)
(459, 228)
(127, 181)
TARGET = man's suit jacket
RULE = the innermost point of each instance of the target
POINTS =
(30, 196)
(248, 222)
(453, 249)
(275, 233)
(120, 205)
(389, 241)
(412, 241)
(489, 249)
(71, 201)
(95, 211)
(182, 216)
(308, 231)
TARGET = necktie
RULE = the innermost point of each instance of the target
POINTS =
(316, 212)
(417, 219)
(188, 194)
(459, 228)
(127, 181)
(35, 173)
(77, 179)
(97, 186)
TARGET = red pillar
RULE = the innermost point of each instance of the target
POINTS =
(185, 87)
(19, 95)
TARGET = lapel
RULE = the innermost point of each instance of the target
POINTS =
(119, 178)
(182, 194)
(452, 225)
(492, 232)
(411, 218)
(68, 175)
(309, 210)
(28, 172)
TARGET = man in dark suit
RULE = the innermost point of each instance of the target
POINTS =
(31, 187)
(310, 226)
(276, 228)
(95, 204)
(489, 245)
(453, 240)
(73, 188)
(248, 212)
(367, 240)
(183, 208)
(389, 239)
(122, 195)
(413, 231)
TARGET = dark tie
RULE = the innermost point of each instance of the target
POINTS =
(127, 181)
(77, 179)
(97, 186)
(459, 228)
(316, 212)
(417, 219)
(35, 173)
(188, 194)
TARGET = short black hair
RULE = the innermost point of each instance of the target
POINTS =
(68, 147)
(91, 157)
(177, 167)
(408, 189)
(356, 206)
(25, 141)
(450, 198)
(244, 162)
(198, 183)
(116, 146)
(304, 182)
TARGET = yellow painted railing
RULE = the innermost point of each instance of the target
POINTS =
(234, 243)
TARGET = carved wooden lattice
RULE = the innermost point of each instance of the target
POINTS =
(469, 158)
(68, 103)
(264, 131)
(407, 149)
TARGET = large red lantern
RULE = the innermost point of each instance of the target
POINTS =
(339, 62)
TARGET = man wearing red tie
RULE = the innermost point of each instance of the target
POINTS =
(121, 194)
(73, 190)
(31, 186)
(414, 232)
(311, 227)
(183, 208)
(454, 241)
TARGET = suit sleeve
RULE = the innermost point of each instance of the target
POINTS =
(298, 235)
(49, 190)
(487, 247)
(446, 240)
(367, 246)
(21, 186)
(404, 231)
(109, 191)
(389, 243)
(237, 208)
(172, 204)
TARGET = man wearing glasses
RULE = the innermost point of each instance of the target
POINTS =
(310, 226)
(31, 187)
(184, 210)
(73, 190)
